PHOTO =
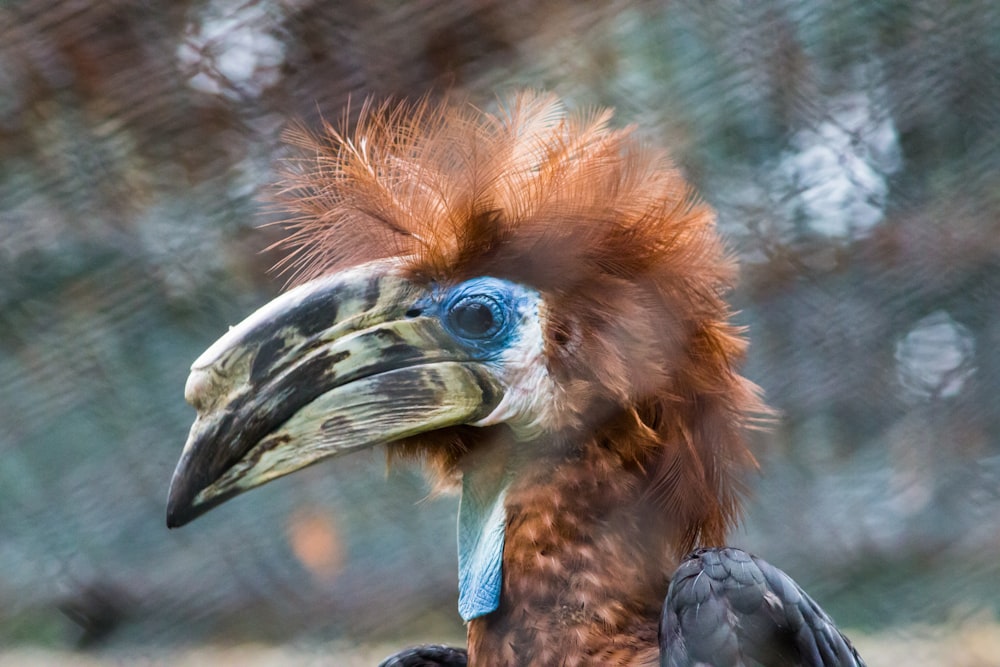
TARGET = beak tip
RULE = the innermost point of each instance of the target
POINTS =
(178, 513)
(181, 505)
(186, 501)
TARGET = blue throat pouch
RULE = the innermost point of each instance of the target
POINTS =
(482, 521)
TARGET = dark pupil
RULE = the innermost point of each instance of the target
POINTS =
(474, 318)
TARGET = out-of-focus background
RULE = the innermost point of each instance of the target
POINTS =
(852, 150)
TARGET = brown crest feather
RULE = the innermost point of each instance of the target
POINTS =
(602, 225)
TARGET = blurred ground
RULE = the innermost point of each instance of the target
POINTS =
(974, 643)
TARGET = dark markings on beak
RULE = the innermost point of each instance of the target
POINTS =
(491, 393)
(317, 312)
(267, 355)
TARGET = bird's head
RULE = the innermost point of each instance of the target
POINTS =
(464, 278)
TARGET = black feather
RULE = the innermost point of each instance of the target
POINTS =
(727, 608)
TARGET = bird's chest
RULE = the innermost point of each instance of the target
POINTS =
(579, 587)
(558, 637)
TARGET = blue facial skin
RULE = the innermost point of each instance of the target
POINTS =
(482, 314)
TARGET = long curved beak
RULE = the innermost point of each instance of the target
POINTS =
(335, 365)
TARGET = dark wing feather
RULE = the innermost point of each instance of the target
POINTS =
(427, 656)
(726, 608)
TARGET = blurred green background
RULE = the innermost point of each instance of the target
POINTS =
(852, 150)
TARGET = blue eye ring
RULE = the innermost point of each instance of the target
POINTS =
(476, 317)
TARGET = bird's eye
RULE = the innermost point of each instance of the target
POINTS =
(476, 317)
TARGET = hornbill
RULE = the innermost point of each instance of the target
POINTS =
(530, 302)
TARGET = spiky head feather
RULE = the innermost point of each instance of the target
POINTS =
(603, 226)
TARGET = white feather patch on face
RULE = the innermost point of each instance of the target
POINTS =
(530, 403)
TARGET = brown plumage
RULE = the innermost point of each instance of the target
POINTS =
(649, 455)
(638, 333)
(536, 310)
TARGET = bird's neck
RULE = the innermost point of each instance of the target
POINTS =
(586, 565)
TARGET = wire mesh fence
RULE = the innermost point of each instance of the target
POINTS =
(851, 149)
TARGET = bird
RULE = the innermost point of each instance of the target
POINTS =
(529, 301)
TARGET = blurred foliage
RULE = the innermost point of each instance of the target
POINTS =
(852, 150)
